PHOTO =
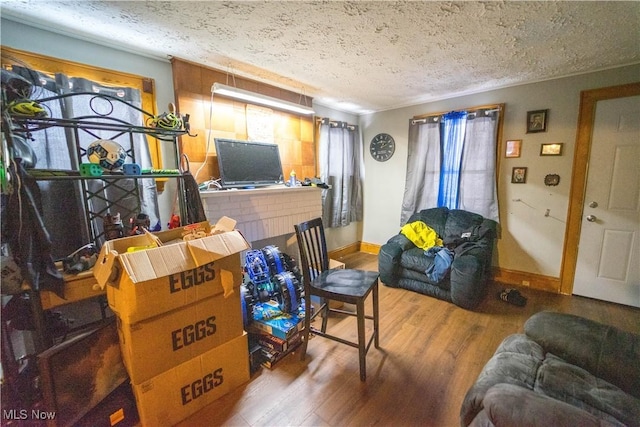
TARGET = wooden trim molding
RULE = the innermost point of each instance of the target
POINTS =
(345, 250)
(352, 248)
(586, 117)
(51, 65)
(370, 248)
(525, 279)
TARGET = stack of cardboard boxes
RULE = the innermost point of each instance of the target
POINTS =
(177, 301)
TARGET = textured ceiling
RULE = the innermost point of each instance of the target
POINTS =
(361, 56)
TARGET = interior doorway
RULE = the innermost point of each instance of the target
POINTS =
(604, 283)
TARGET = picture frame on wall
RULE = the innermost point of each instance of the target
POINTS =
(519, 175)
(552, 149)
(537, 121)
(513, 148)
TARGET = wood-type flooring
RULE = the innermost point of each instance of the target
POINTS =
(431, 353)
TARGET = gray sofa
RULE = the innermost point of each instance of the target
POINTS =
(403, 265)
(564, 370)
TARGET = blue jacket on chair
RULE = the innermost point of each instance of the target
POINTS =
(442, 259)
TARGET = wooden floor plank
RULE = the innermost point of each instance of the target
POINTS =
(432, 352)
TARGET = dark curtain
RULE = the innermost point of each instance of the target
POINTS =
(342, 168)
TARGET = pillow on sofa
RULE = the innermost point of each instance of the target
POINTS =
(507, 405)
(575, 386)
(473, 234)
(607, 352)
(515, 362)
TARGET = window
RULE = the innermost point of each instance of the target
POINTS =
(452, 162)
(51, 66)
(85, 203)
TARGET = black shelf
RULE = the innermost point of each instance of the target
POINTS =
(92, 123)
(112, 191)
(101, 125)
(53, 174)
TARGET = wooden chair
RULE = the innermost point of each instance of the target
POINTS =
(342, 285)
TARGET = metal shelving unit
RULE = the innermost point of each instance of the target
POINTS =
(97, 192)
(102, 126)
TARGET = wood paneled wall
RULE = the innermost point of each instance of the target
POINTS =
(227, 118)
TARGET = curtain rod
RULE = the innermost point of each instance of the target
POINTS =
(435, 117)
(334, 123)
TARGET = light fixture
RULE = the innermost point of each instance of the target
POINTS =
(256, 98)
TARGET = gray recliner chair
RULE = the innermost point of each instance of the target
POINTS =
(564, 370)
(470, 236)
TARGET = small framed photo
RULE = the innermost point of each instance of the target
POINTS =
(519, 175)
(537, 121)
(513, 148)
(554, 149)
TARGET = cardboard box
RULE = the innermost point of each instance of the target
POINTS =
(179, 392)
(274, 343)
(335, 264)
(282, 325)
(144, 283)
(155, 345)
(271, 357)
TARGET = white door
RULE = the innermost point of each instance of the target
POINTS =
(608, 265)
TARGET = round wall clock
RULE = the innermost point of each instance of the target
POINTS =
(382, 147)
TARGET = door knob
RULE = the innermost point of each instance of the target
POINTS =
(591, 218)
(593, 204)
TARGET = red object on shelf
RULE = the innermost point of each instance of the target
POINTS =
(174, 222)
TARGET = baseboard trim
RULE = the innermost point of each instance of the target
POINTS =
(525, 279)
(370, 248)
(345, 250)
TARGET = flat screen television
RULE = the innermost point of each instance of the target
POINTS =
(245, 164)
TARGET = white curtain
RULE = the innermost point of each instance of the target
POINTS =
(342, 168)
(477, 191)
(423, 168)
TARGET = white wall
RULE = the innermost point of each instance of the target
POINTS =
(530, 241)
